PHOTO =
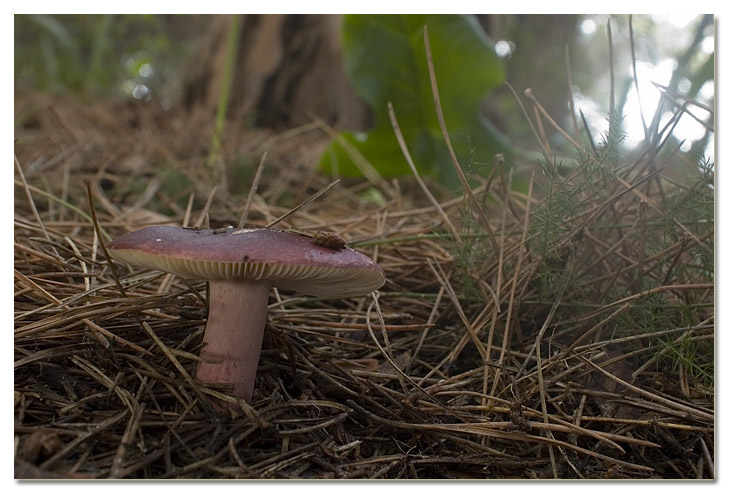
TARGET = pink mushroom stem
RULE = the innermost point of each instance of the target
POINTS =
(233, 335)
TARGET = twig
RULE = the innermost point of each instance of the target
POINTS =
(186, 376)
(33, 209)
(130, 432)
(414, 170)
(252, 190)
(204, 212)
(304, 203)
(636, 77)
(677, 407)
(100, 240)
(455, 162)
(363, 165)
(571, 95)
(544, 113)
(612, 104)
(511, 305)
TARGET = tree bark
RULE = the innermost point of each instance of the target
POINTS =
(289, 70)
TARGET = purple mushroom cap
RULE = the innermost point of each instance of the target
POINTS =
(289, 260)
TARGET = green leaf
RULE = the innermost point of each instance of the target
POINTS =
(385, 58)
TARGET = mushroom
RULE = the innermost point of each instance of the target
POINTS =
(241, 266)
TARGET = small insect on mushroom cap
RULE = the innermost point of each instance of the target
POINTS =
(330, 240)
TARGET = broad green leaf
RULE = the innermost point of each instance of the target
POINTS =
(385, 58)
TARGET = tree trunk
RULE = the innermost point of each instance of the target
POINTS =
(538, 63)
(288, 70)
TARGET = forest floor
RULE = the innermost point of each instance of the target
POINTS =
(561, 331)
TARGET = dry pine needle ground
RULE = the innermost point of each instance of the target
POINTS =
(511, 349)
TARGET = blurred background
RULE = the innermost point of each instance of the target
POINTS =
(174, 61)
(202, 92)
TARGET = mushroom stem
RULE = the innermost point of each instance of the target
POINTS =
(233, 335)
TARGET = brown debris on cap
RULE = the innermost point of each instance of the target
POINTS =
(289, 260)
